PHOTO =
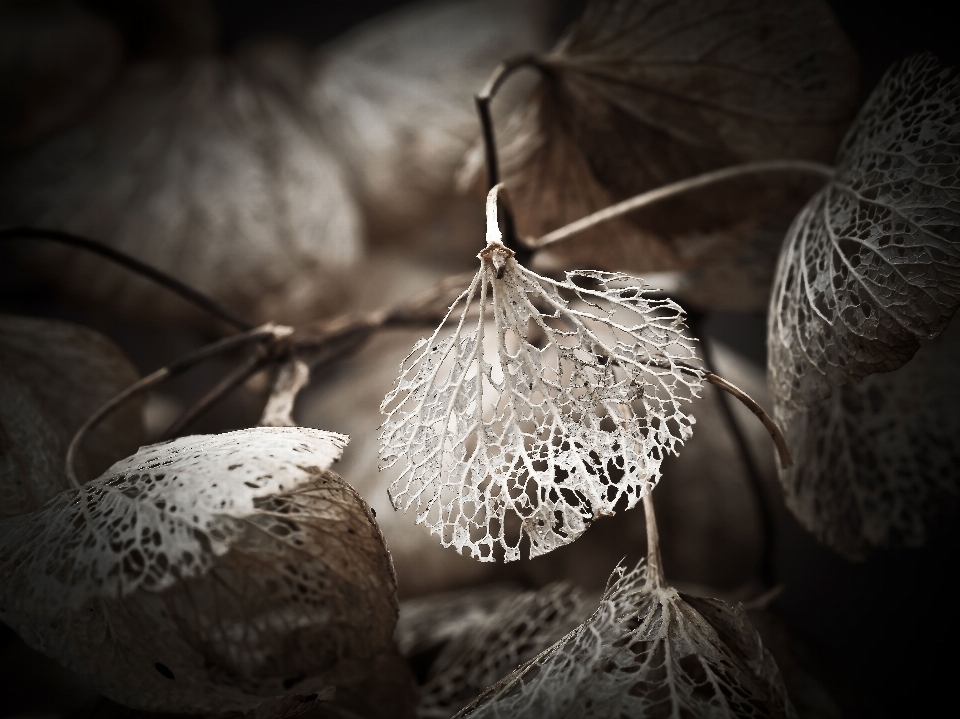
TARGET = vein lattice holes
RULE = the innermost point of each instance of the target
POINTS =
(880, 457)
(872, 264)
(212, 574)
(646, 651)
(539, 413)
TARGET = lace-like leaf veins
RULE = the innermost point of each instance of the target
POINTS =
(209, 575)
(879, 457)
(646, 652)
(871, 265)
(566, 408)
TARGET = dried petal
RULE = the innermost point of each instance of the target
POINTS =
(53, 375)
(646, 92)
(534, 431)
(646, 651)
(396, 96)
(872, 264)
(877, 458)
(484, 651)
(207, 575)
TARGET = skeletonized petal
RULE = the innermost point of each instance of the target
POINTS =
(647, 651)
(563, 412)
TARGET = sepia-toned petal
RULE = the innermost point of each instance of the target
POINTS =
(211, 574)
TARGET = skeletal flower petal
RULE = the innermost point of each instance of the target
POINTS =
(220, 574)
(531, 433)
(647, 651)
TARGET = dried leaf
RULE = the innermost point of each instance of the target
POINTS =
(53, 375)
(528, 438)
(875, 459)
(646, 651)
(871, 266)
(209, 170)
(642, 93)
(55, 60)
(396, 97)
(483, 652)
(212, 574)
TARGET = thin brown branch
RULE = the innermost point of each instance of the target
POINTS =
(249, 367)
(161, 278)
(784, 453)
(260, 334)
(765, 511)
(674, 189)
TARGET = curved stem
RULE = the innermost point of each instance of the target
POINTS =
(765, 512)
(782, 451)
(235, 378)
(665, 192)
(171, 283)
(654, 562)
(482, 101)
(161, 375)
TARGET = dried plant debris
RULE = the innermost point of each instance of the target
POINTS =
(212, 574)
(55, 61)
(537, 435)
(210, 170)
(877, 458)
(396, 97)
(53, 375)
(871, 266)
(647, 651)
(487, 649)
(428, 622)
(642, 93)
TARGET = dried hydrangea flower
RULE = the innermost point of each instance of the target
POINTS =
(561, 413)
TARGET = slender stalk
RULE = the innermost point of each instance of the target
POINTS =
(234, 379)
(654, 562)
(665, 192)
(482, 101)
(151, 380)
(259, 334)
(765, 513)
(171, 283)
(782, 451)
(772, 429)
